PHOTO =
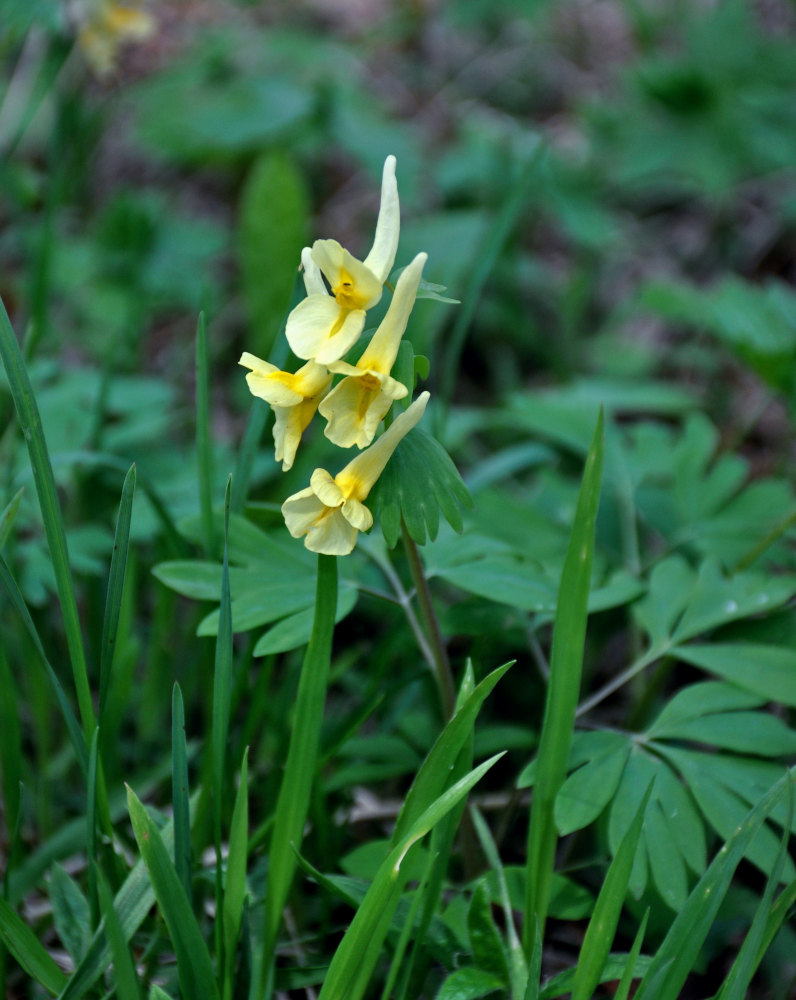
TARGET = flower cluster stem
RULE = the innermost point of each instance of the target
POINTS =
(442, 667)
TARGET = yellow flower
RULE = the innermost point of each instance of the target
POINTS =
(108, 26)
(327, 324)
(356, 406)
(294, 399)
(330, 512)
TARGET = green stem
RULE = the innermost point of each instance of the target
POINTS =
(294, 793)
(442, 667)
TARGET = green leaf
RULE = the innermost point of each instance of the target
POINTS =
(113, 602)
(686, 829)
(486, 944)
(744, 732)
(666, 860)
(197, 977)
(70, 912)
(272, 226)
(699, 701)
(179, 792)
(615, 967)
(587, 791)
(28, 950)
(605, 918)
(468, 984)
(295, 630)
(569, 632)
(623, 990)
(8, 515)
(675, 958)
(124, 974)
(235, 888)
(204, 443)
(768, 671)
(419, 483)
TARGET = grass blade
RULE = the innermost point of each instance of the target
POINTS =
(33, 432)
(235, 894)
(294, 792)
(195, 968)
(204, 447)
(124, 975)
(179, 792)
(623, 990)
(28, 950)
(605, 916)
(8, 516)
(676, 956)
(113, 603)
(566, 663)
(248, 450)
(358, 952)
(91, 829)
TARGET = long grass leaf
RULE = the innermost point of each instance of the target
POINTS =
(124, 976)
(113, 602)
(9, 514)
(358, 952)
(204, 446)
(566, 663)
(241, 477)
(28, 950)
(235, 890)
(605, 916)
(33, 432)
(294, 792)
(623, 989)
(748, 958)
(680, 948)
(179, 792)
(21, 608)
(91, 828)
(194, 966)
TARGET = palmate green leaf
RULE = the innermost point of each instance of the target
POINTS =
(469, 984)
(768, 671)
(486, 943)
(419, 483)
(588, 790)
(195, 968)
(295, 630)
(28, 950)
(675, 958)
(566, 661)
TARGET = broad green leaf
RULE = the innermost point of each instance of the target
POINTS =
(295, 630)
(640, 771)
(469, 983)
(699, 701)
(586, 744)
(272, 225)
(587, 791)
(486, 944)
(686, 829)
(744, 732)
(768, 671)
(561, 984)
(195, 968)
(26, 948)
(566, 662)
(667, 866)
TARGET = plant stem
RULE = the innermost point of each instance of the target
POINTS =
(442, 667)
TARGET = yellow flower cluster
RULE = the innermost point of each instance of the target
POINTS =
(330, 512)
(106, 26)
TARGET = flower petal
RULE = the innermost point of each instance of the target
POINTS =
(357, 515)
(332, 535)
(326, 489)
(272, 390)
(354, 409)
(388, 226)
(316, 321)
(353, 285)
(256, 364)
(301, 510)
(382, 350)
(287, 433)
(344, 337)
(313, 279)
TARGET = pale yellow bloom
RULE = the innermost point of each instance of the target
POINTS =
(293, 397)
(108, 26)
(327, 324)
(331, 511)
(357, 405)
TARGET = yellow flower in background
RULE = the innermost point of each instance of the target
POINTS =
(327, 324)
(294, 399)
(356, 406)
(330, 512)
(109, 25)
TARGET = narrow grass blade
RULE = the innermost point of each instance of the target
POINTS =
(235, 892)
(204, 447)
(436, 768)
(30, 422)
(533, 988)
(623, 990)
(113, 603)
(8, 515)
(28, 950)
(195, 968)
(72, 725)
(91, 829)
(681, 946)
(179, 792)
(294, 792)
(241, 477)
(124, 976)
(566, 663)
(408, 931)
(358, 952)
(748, 958)
(605, 916)
(10, 754)
(222, 688)
(518, 968)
